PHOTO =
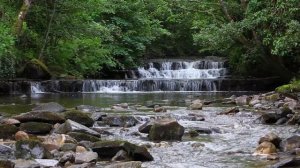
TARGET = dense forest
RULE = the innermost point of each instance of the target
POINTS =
(84, 38)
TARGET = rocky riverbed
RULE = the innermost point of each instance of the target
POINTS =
(240, 131)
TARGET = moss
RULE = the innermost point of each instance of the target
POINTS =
(8, 131)
(36, 127)
(293, 87)
(80, 117)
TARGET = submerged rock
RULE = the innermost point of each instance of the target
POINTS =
(80, 117)
(48, 117)
(166, 129)
(36, 127)
(30, 149)
(49, 107)
(108, 149)
(8, 131)
(270, 137)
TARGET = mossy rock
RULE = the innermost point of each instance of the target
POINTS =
(47, 117)
(273, 97)
(36, 127)
(79, 136)
(165, 130)
(8, 131)
(6, 164)
(30, 149)
(80, 117)
(108, 149)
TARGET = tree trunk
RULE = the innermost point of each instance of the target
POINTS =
(18, 27)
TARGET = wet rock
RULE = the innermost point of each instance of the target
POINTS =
(284, 111)
(288, 163)
(158, 109)
(80, 149)
(120, 156)
(49, 107)
(36, 127)
(265, 148)
(295, 119)
(86, 144)
(68, 147)
(67, 156)
(21, 135)
(83, 165)
(269, 118)
(145, 128)
(47, 162)
(281, 121)
(279, 104)
(86, 157)
(202, 130)
(72, 126)
(196, 105)
(255, 100)
(80, 117)
(132, 164)
(193, 133)
(30, 149)
(98, 116)
(6, 164)
(48, 117)
(21, 163)
(54, 141)
(87, 108)
(273, 97)
(273, 157)
(270, 137)
(242, 100)
(8, 131)
(120, 121)
(108, 149)
(290, 144)
(166, 129)
(196, 117)
(83, 137)
(10, 121)
(6, 152)
(232, 110)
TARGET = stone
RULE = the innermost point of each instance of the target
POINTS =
(86, 157)
(80, 149)
(284, 111)
(166, 129)
(273, 97)
(47, 117)
(83, 165)
(242, 100)
(120, 121)
(80, 117)
(54, 141)
(265, 148)
(145, 128)
(72, 126)
(21, 163)
(290, 144)
(269, 118)
(281, 121)
(87, 108)
(202, 130)
(36, 127)
(6, 164)
(196, 105)
(228, 111)
(98, 116)
(47, 162)
(270, 137)
(8, 131)
(21, 135)
(255, 100)
(158, 109)
(67, 156)
(30, 149)
(193, 133)
(10, 121)
(132, 164)
(121, 156)
(108, 149)
(68, 147)
(49, 107)
(83, 137)
(288, 163)
(6, 152)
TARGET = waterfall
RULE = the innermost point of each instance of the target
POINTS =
(161, 75)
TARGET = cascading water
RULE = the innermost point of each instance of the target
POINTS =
(159, 75)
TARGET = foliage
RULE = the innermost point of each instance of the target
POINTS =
(293, 87)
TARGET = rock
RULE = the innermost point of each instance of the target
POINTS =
(68, 147)
(83, 165)
(279, 104)
(193, 133)
(232, 110)
(202, 130)
(273, 157)
(255, 100)
(242, 100)
(98, 116)
(166, 129)
(121, 156)
(288, 163)
(196, 105)
(8, 131)
(269, 118)
(67, 156)
(72, 126)
(6, 152)
(281, 121)
(120, 121)
(21, 135)
(290, 144)
(86, 157)
(10, 121)
(145, 128)
(80, 117)
(30, 149)
(80, 149)
(48, 117)
(124, 105)
(49, 107)
(270, 137)
(108, 149)
(273, 97)
(265, 148)
(83, 137)
(86, 144)
(87, 108)
(47, 162)
(158, 109)
(20, 163)
(54, 141)
(284, 111)
(6, 164)
(132, 164)
(36, 127)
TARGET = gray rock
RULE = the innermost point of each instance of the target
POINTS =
(30, 149)
(87, 108)
(68, 147)
(10, 121)
(120, 156)
(281, 121)
(79, 136)
(86, 157)
(232, 110)
(83, 165)
(145, 128)
(36, 127)
(242, 100)
(72, 126)
(20, 163)
(269, 118)
(6, 152)
(120, 121)
(288, 163)
(47, 162)
(166, 129)
(132, 164)
(270, 137)
(290, 144)
(48, 117)
(196, 105)
(67, 157)
(49, 107)
(98, 116)
(79, 117)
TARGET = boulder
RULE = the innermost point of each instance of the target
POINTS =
(270, 137)
(288, 163)
(30, 149)
(273, 97)
(108, 149)
(8, 131)
(67, 157)
(21, 163)
(145, 128)
(242, 100)
(47, 162)
(86, 157)
(49, 107)
(228, 111)
(36, 127)
(120, 121)
(290, 144)
(166, 129)
(10, 121)
(265, 148)
(196, 105)
(98, 116)
(72, 126)
(48, 117)
(80, 117)
(269, 118)
(79, 136)
(87, 108)
(6, 152)
(21, 135)
(121, 156)
(54, 141)
(132, 164)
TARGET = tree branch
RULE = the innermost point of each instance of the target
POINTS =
(225, 11)
(18, 27)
